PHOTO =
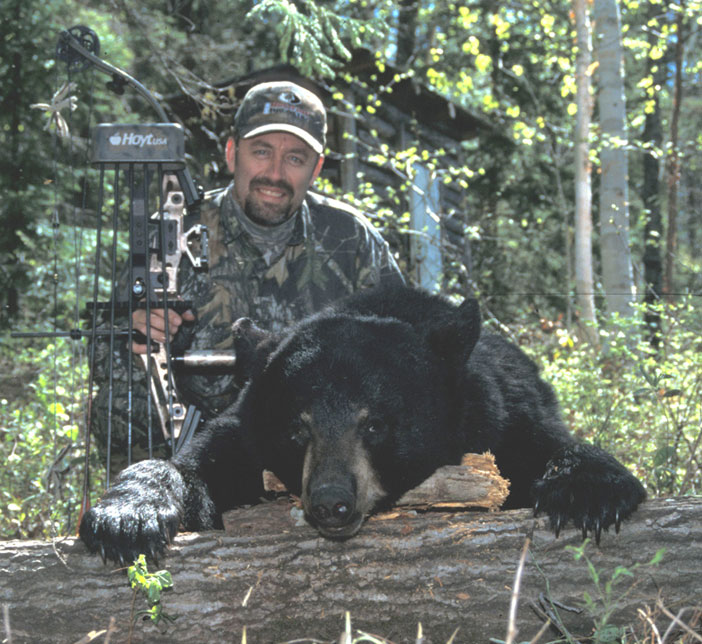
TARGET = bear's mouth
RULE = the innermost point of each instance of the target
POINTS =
(345, 531)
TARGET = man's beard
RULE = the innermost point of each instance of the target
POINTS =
(267, 214)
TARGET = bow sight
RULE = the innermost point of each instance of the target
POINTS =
(158, 237)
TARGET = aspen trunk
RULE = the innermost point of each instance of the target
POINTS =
(584, 281)
(617, 271)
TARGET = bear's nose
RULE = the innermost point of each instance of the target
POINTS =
(331, 505)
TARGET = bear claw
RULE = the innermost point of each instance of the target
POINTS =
(589, 486)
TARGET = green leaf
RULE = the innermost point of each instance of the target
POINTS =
(483, 62)
(153, 592)
(621, 571)
(657, 558)
(664, 455)
(164, 578)
(288, 30)
(608, 634)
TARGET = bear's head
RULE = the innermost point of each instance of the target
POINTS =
(351, 411)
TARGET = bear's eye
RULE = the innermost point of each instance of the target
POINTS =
(373, 432)
(300, 435)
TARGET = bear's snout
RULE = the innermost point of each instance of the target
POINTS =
(330, 500)
(332, 505)
(340, 486)
(330, 494)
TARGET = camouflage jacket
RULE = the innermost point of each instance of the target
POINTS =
(333, 250)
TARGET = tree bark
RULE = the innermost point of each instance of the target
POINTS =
(446, 570)
(673, 164)
(584, 281)
(406, 32)
(651, 196)
(617, 270)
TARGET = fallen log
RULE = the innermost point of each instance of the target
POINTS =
(445, 570)
(475, 483)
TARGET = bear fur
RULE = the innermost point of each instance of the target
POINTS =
(354, 406)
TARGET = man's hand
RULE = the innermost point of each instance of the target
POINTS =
(158, 325)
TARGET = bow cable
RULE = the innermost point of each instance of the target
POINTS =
(156, 245)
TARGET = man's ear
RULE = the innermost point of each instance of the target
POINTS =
(230, 154)
(317, 169)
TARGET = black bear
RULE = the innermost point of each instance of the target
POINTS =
(354, 406)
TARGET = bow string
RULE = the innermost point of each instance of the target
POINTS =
(159, 237)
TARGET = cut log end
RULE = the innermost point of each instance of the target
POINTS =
(475, 483)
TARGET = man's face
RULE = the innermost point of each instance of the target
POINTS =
(272, 173)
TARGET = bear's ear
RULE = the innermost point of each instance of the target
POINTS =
(252, 346)
(453, 337)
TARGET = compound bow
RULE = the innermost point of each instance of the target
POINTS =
(157, 243)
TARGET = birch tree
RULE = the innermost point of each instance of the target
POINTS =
(617, 272)
(673, 161)
(584, 283)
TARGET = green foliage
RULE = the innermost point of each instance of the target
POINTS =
(643, 404)
(313, 37)
(608, 594)
(43, 390)
(41, 416)
(151, 585)
(21, 66)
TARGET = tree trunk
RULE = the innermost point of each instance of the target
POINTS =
(406, 32)
(349, 146)
(673, 164)
(650, 193)
(617, 271)
(584, 282)
(446, 570)
(694, 210)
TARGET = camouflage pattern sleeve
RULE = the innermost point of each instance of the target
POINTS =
(333, 250)
(119, 412)
(373, 260)
(120, 421)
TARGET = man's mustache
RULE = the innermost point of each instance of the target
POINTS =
(268, 183)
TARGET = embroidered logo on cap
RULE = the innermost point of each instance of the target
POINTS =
(289, 97)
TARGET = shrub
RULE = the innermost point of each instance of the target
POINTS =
(640, 402)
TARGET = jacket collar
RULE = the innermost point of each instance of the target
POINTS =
(231, 211)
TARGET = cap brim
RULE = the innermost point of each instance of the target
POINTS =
(284, 127)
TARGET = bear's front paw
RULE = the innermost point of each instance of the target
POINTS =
(589, 486)
(140, 514)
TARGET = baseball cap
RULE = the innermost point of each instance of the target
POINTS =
(282, 107)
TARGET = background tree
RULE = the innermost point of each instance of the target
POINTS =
(584, 282)
(617, 272)
(23, 165)
(673, 159)
(652, 141)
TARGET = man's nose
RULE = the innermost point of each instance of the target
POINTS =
(274, 169)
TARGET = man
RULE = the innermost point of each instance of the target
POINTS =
(277, 253)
